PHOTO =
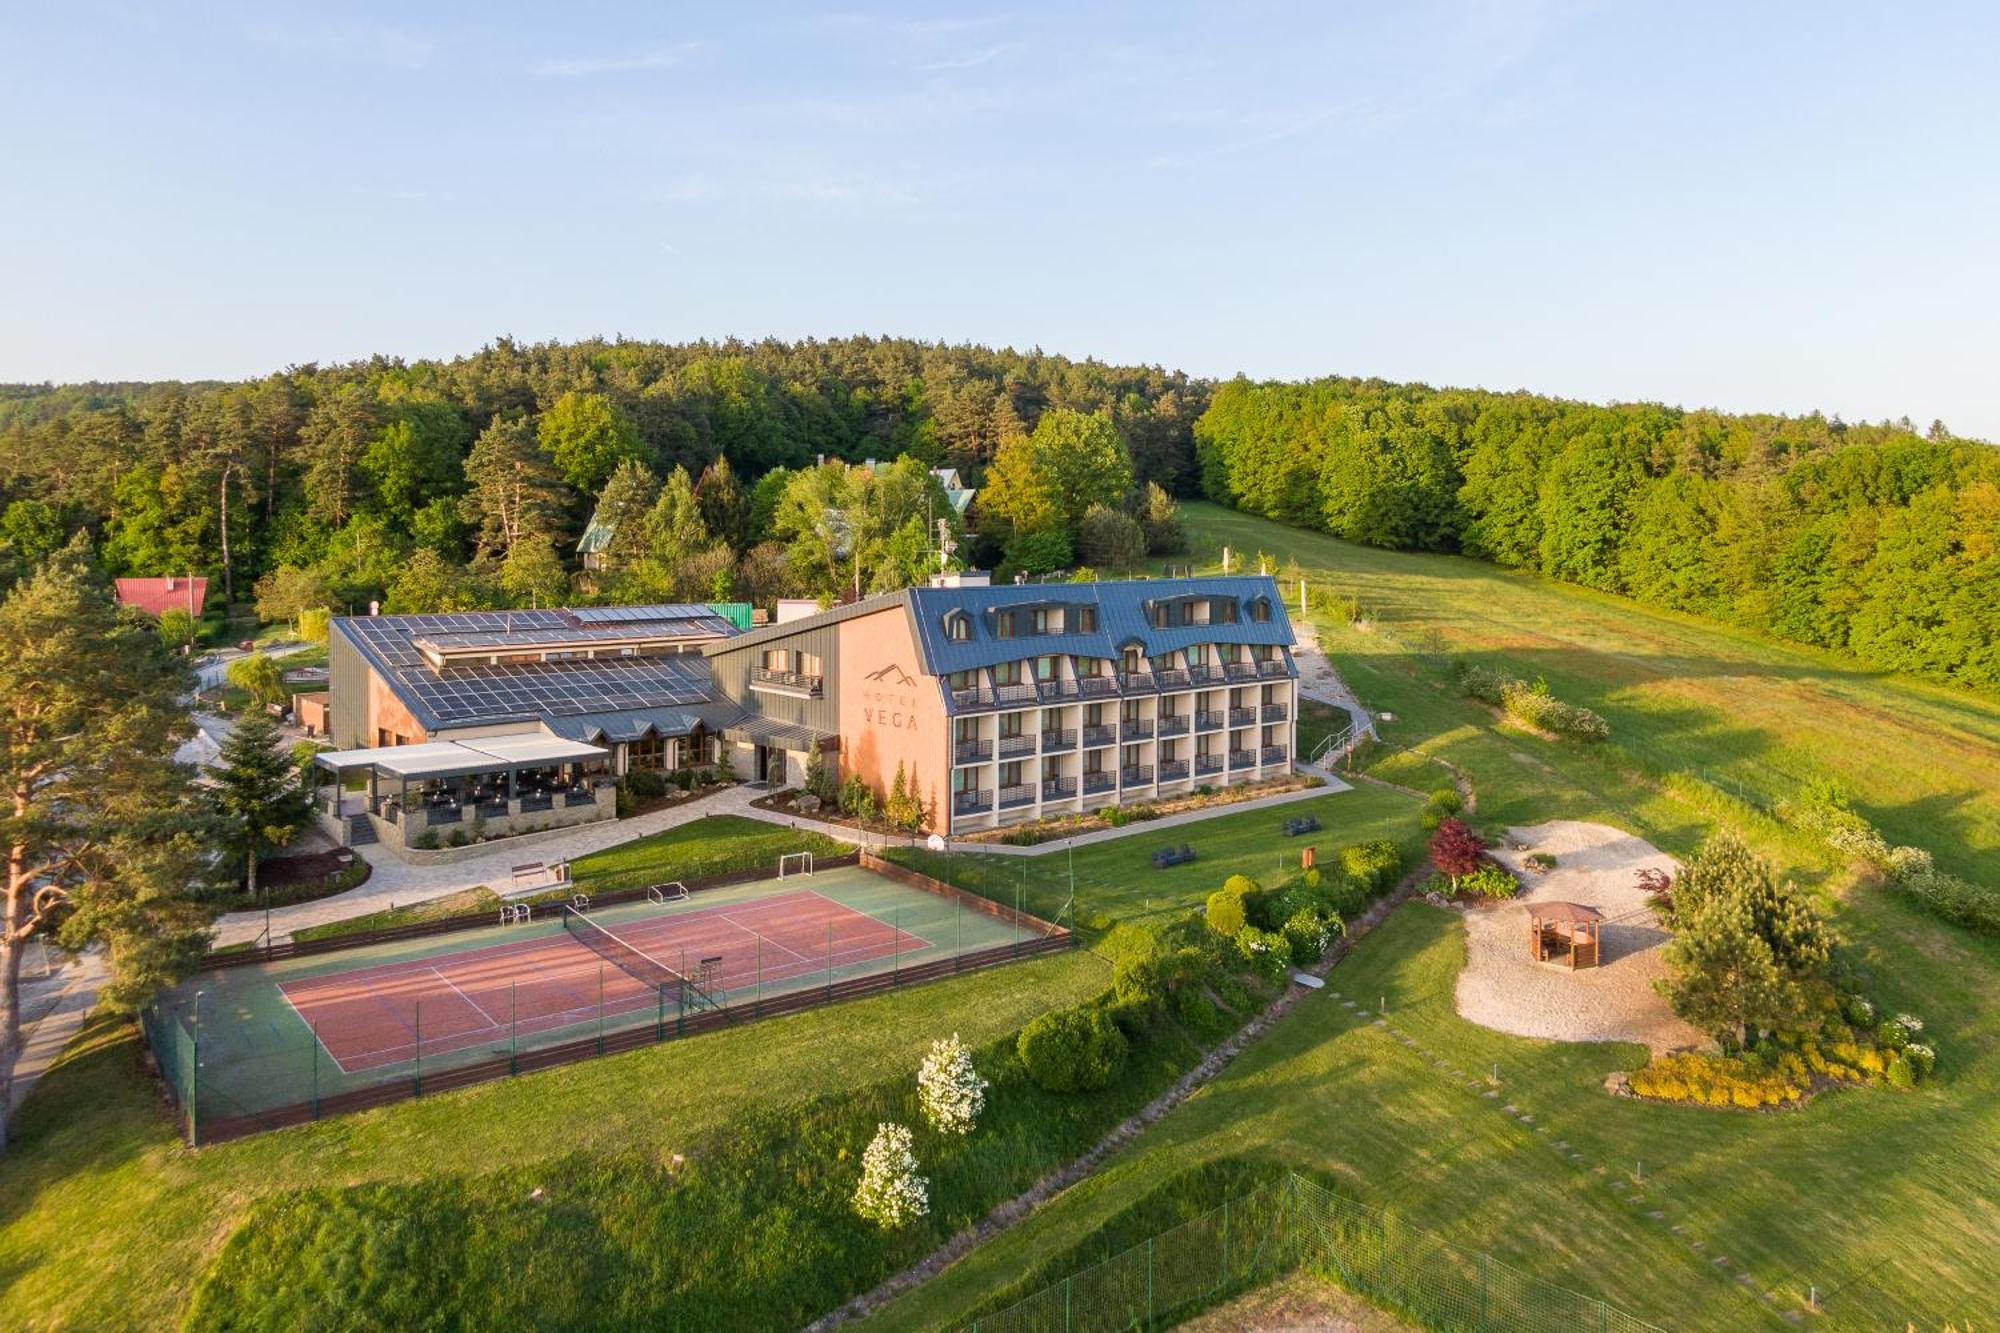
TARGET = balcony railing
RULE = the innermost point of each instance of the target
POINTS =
(1013, 798)
(1274, 754)
(1173, 770)
(1138, 775)
(1017, 745)
(971, 802)
(1174, 724)
(1242, 717)
(971, 699)
(1136, 682)
(1242, 671)
(1017, 692)
(1174, 678)
(1274, 712)
(1096, 687)
(1274, 667)
(972, 752)
(1208, 763)
(1055, 741)
(785, 682)
(1103, 780)
(1058, 789)
(1204, 675)
(1208, 720)
(1242, 758)
(1137, 728)
(1054, 691)
(1096, 736)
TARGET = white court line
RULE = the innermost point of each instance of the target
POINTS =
(491, 1021)
(724, 916)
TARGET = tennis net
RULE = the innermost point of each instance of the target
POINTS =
(630, 959)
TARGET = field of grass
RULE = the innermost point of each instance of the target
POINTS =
(1116, 881)
(1881, 1202)
(106, 1221)
(711, 845)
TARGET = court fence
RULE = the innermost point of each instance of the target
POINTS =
(223, 1089)
(1293, 1224)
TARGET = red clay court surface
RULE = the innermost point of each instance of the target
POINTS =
(368, 1018)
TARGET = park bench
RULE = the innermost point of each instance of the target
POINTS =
(1169, 856)
(1301, 824)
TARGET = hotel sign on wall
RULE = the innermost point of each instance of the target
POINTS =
(889, 699)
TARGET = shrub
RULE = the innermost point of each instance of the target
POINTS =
(645, 784)
(1490, 881)
(1268, 953)
(1920, 1058)
(1456, 850)
(1954, 899)
(1714, 1080)
(1531, 704)
(857, 799)
(1890, 1035)
(1859, 1010)
(1373, 866)
(1224, 913)
(1073, 1050)
(891, 1192)
(1447, 800)
(949, 1089)
(1901, 1073)
(1194, 1011)
(1309, 934)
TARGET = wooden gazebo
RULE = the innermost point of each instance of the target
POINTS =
(1565, 930)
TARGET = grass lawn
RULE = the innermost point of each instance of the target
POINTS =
(711, 845)
(1116, 881)
(1884, 1201)
(476, 899)
(106, 1221)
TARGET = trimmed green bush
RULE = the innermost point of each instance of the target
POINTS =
(1372, 865)
(1489, 881)
(1226, 913)
(1446, 799)
(1073, 1050)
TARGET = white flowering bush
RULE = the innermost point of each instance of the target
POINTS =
(1911, 1025)
(891, 1192)
(950, 1089)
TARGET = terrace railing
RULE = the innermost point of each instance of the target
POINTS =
(1055, 741)
(1173, 770)
(1275, 667)
(971, 802)
(1138, 775)
(1242, 759)
(971, 752)
(1100, 781)
(1242, 717)
(1138, 728)
(1274, 754)
(1012, 798)
(1174, 724)
(1058, 789)
(1208, 763)
(1210, 719)
(1094, 736)
(1011, 746)
(790, 682)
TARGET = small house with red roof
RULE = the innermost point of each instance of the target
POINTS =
(176, 592)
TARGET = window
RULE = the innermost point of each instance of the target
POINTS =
(1222, 610)
(1164, 662)
(958, 626)
(1131, 759)
(1046, 667)
(1046, 621)
(808, 664)
(1085, 620)
(1010, 725)
(777, 659)
(964, 779)
(966, 729)
(1133, 658)
(1003, 625)
(1051, 769)
(1260, 609)
(1006, 673)
(965, 680)
(1010, 774)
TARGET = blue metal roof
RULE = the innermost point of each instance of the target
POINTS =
(1122, 618)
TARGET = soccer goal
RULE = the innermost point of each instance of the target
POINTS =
(673, 891)
(795, 863)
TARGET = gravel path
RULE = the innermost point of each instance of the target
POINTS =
(1503, 988)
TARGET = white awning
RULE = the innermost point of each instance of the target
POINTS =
(535, 748)
(443, 759)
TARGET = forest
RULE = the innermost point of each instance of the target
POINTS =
(1873, 539)
(444, 484)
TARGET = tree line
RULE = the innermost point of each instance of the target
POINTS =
(473, 478)
(1875, 539)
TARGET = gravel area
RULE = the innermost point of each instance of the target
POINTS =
(1503, 988)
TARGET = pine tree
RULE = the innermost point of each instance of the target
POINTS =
(257, 794)
(100, 832)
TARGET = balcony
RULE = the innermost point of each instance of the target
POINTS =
(1173, 770)
(1242, 759)
(1136, 682)
(1097, 687)
(1275, 667)
(1174, 678)
(971, 802)
(1100, 781)
(1275, 712)
(1207, 763)
(1138, 728)
(1017, 692)
(1241, 671)
(796, 684)
(1013, 798)
(971, 700)
(1054, 742)
(972, 752)
(1094, 736)
(1137, 775)
(1274, 754)
(1055, 691)
(1242, 717)
(1058, 789)
(1012, 746)
(1208, 720)
(1174, 724)
(1204, 675)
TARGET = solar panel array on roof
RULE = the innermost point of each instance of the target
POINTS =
(535, 638)
(623, 615)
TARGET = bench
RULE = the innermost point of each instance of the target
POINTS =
(1302, 824)
(1167, 857)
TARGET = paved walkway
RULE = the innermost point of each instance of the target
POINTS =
(54, 1011)
(393, 881)
(1318, 679)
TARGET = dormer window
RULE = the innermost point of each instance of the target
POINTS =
(1084, 620)
(958, 627)
(1260, 610)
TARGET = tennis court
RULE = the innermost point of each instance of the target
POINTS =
(248, 1047)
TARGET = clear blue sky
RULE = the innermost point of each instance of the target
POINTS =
(1779, 206)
